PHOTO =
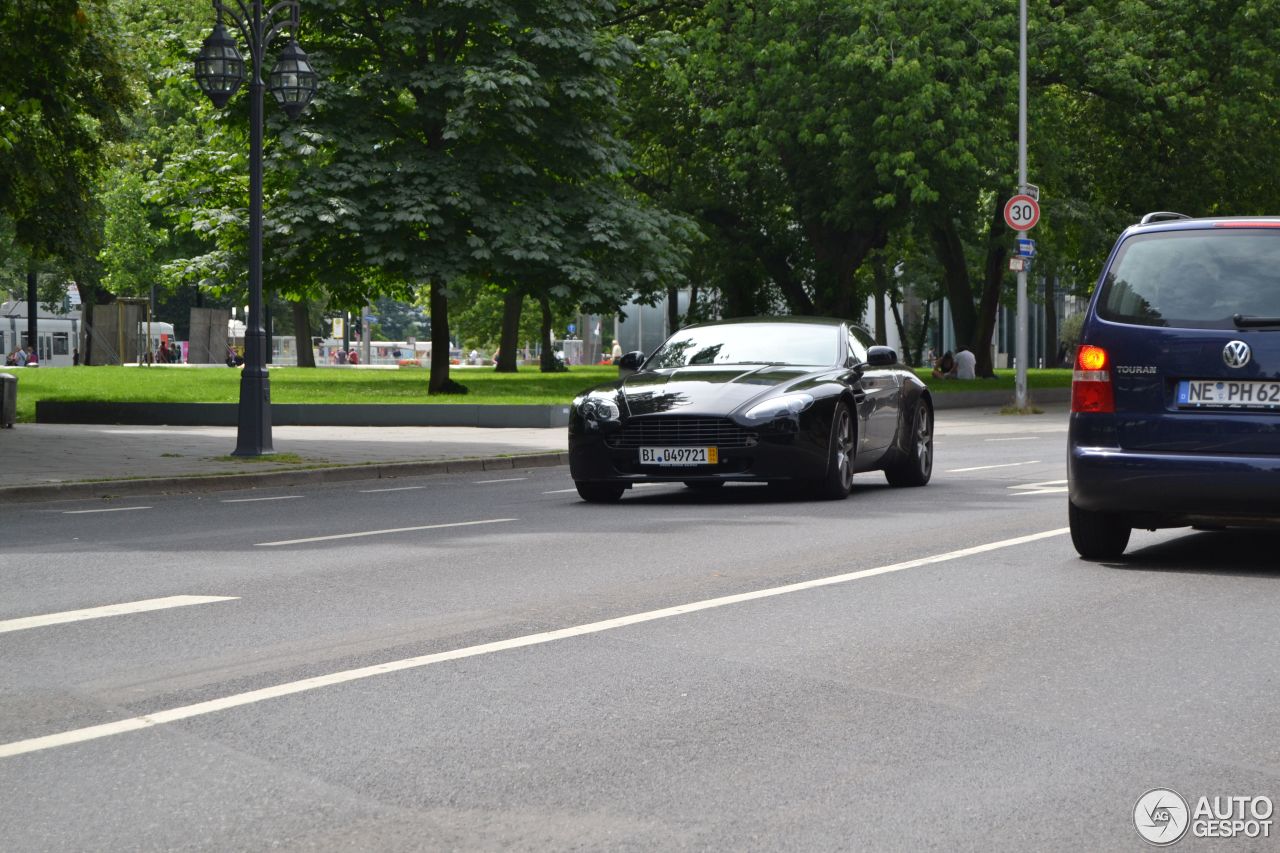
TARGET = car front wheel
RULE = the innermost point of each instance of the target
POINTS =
(600, 493)
(1097, 535)
(916, 466)
(839, 480)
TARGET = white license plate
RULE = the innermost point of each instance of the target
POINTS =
(676, 456)
(1214, 393)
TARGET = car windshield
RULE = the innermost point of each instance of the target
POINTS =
(1194, 279)
(749, 343)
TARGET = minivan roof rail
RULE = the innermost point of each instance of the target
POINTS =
(1161, 216)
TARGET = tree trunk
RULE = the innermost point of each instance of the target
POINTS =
(834, 266)
(512, 302)
(692, 314)
(440, 383)
(907, 355)
(993, 272)
(673, 309)
(548, 363)
(1051, 358)
(882, 286)
(302, 333)
(955, 279)
(33, 310)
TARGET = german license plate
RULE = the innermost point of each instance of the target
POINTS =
(676, 456)
(1213, 393)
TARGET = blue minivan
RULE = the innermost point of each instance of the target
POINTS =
(1175, 396)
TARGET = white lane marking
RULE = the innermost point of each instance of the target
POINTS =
(109, 610)
(254, 500)
(989, 467)
(1049, 487)
(1019, 438)
(380, 532)
(507, 480)
(396, 489)
(112, 509)
(633, 485)
(36, 744)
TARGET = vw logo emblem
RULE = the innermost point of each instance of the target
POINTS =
(1236, 354)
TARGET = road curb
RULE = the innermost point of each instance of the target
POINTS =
(273, 479)
(996, 399)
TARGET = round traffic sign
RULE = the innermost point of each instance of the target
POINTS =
(1021, 213)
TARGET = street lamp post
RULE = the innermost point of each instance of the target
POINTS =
(220, 69)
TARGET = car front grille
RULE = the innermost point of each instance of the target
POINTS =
(680, 431)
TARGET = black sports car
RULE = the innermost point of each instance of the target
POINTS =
(798, 400)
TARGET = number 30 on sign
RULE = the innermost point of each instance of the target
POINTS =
(1021, 213)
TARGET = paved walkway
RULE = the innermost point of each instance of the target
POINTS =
(38, 460)
(52, 461)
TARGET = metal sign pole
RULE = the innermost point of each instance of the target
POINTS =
(1020, 375)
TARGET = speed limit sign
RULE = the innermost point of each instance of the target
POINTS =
(1021, 213)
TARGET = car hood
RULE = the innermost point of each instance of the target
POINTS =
(703, 390)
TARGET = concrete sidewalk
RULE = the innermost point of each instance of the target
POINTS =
(53, 461)
(67, 461)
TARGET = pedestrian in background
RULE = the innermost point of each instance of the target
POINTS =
(945, 367)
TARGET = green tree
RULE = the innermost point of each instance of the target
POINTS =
(472, 140)
(62, 89)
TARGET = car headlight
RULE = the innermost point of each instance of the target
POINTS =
(787, 404)
(599, 409)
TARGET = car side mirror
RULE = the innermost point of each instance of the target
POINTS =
(881, 357)
(631, 361)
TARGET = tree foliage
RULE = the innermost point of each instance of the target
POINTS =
(62, 90)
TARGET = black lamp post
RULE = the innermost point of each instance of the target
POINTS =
(220, 69)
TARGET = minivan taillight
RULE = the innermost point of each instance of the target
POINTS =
(1091, 381)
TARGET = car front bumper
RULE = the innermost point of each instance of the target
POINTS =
(780, 458)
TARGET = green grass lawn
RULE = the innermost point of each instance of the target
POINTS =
(407, 385)
(1036, 379)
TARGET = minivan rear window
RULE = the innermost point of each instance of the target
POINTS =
(1196, 279)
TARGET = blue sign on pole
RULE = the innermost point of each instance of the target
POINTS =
(1026, 247)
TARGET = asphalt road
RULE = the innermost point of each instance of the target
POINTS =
(485, 662)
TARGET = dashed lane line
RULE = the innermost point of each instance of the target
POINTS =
(990, 467)
(109, 509)
(396, 489)
(1049, 487)
(109, 610)
(380, 532)
(255, 500)
(507, 480)
(171, 715)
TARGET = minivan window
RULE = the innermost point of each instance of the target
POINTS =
(1194, 279)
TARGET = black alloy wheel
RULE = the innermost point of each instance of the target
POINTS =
(600, 493)
(915, 467)
(1097, 535)
(839, 480)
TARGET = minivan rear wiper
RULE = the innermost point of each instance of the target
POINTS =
(1248, 321)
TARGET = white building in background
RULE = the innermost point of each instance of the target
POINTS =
(645, 327)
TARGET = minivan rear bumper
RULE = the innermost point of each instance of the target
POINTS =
(1175, 488)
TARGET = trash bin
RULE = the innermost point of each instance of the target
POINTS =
(8, 399)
